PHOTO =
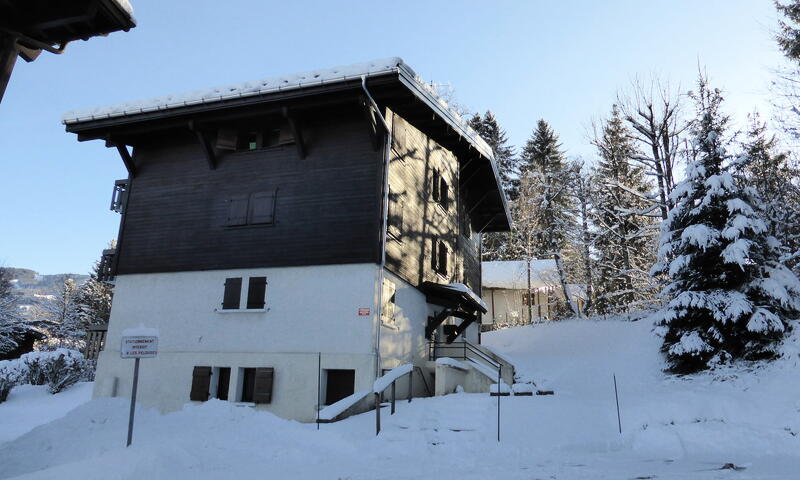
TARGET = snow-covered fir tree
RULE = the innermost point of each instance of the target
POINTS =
(94, 297)
(507, 161)
(61, 316)
(582, 267)
(730, 297)
(544, 213)
(777, 179)
(10, 319)
(495, 246)
(625, 228)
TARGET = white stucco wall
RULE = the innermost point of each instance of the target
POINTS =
(403, 341)
(308, 310)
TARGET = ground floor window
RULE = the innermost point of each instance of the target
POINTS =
(256, 384)
(339, 384)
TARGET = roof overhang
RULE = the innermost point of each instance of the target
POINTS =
(59, 22)
(454, 295)
(393, 86)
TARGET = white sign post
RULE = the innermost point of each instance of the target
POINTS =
(137, 343)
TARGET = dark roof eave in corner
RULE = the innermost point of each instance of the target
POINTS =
(408, 78)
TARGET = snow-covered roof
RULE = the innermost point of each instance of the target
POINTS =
(513, 274)
(275, 84)
(125, 5)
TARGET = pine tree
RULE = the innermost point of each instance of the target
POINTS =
(495, 246)
(625, 239)
(730, 294)
(582, 269)
(776, 178)
(62, 318)
(10, 320)
(94, 298)
(545, 210)
(789, 36)
(505, 158)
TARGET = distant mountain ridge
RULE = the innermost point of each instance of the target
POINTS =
(32, 286)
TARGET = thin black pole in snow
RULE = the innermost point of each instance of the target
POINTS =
(319, 384)
(499, 378)
(133, 400)
(616, 395)
(377, 413)
(410, 384)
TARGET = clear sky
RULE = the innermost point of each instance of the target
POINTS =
(561, 60)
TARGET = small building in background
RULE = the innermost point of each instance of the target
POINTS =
(520, 292)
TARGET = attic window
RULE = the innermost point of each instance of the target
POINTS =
(255, 137)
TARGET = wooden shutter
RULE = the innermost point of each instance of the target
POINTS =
(262, 207)
(388, 303)
(256, 289)
(435, 185)
(399, 136)
(434, 256)
(201, 381)
(232, 295)
(237, 210)
(444, 194)
(227, 139)
(262, 393)
(442, 251)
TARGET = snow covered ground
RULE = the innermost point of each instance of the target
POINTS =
(29, 406)
(673, 428)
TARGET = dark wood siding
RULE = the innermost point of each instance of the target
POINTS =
(326, 205)
(415, 158)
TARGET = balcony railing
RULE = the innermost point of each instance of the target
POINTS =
(106, 271)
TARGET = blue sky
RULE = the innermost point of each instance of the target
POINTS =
(558, 60)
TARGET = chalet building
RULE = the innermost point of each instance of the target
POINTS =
(520, 292)
(293, 238)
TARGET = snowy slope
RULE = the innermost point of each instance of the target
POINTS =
(672, 428)
(29, 406)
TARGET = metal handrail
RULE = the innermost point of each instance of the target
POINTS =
(465, 347)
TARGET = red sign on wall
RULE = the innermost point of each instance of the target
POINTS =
(363, 312)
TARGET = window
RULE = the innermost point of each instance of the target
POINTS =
(254, 137)
(440, 190)
(204, 388)
(233, 292)
(256, 384)
(252, 209)
(248, 379)
(439, 256)
(255, 294)
(339, 384)
(389, 293)
(256, 290)
(223, 382)
(120, 196)
(394, 220)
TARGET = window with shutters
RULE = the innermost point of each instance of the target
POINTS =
(440, 190)
(231, 299)
(440, 254)
(256, 385)
(394, 221)
(253, 209)
(253, 296)
(254, 137)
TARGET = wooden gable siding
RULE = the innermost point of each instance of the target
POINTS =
(413, 160)
(327, 206)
